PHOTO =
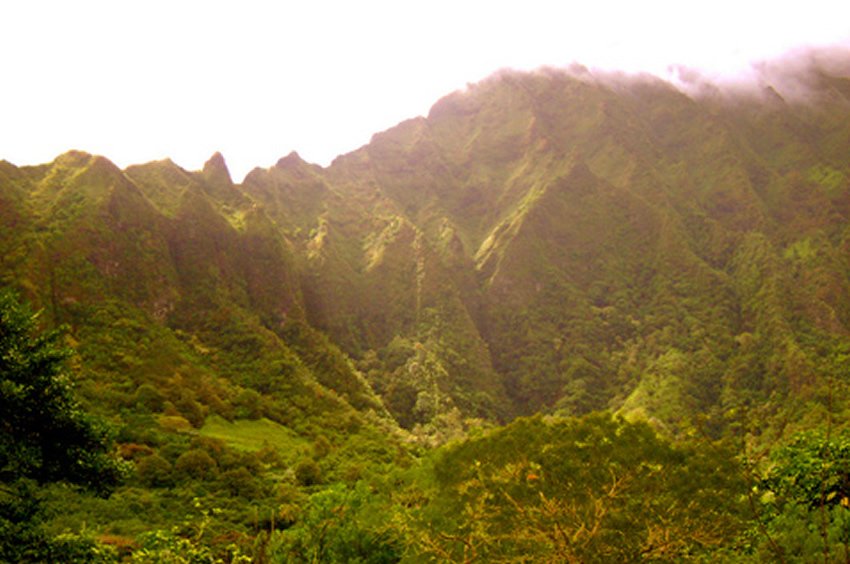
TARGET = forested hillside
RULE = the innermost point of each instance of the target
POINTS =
(338, 349)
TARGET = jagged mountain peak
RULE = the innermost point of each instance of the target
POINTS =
(216, 182)
(215, 169)
(72, 158)
(290, 161)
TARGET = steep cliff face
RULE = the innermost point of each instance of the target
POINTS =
(601, 234)
(539, 241)
(182, 295)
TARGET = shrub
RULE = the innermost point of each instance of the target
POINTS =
(308, 473)
(195, 464)
(155, 471)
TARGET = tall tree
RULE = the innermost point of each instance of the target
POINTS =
(45, 435)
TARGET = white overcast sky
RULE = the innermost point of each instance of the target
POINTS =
(144, 80)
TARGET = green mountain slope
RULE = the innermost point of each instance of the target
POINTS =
(540, 241)
(184, 300)
(556, 242)
(550, 240)
(615, 226)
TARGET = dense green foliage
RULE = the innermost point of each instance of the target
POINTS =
(315, 364)
(805, 500)
(596, 489)
(45, 436)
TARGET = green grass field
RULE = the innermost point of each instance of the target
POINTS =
(254, 434)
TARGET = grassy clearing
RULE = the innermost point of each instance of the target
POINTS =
(253, 435)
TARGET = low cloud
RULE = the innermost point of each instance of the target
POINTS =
(805, 74)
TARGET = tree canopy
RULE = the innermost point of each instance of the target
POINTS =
(45, 435)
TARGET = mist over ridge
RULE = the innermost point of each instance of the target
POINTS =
(805, 74)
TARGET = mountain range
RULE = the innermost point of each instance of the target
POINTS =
(404, 354)
(555, 241)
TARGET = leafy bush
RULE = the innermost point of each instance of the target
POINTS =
(195, 464)
(154, 471)
(805, 500)
(339, 524)
(308, 473)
